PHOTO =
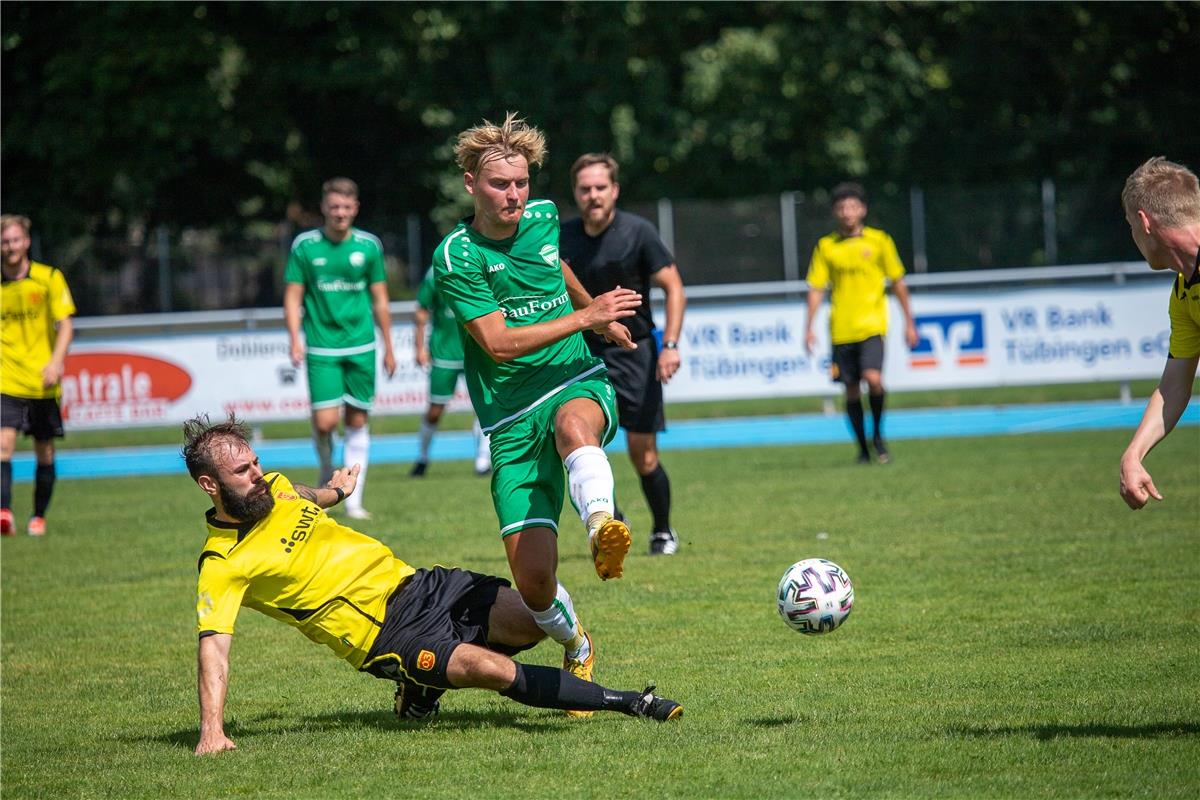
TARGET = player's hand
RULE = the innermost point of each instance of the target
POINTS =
(51, 374)
(389, 363)
(1137, 487)
(345, 479)
(810, 342)
(297, 353)
(422, 357)
(214, 743)
(610, 307)
(910, 336)
(618, 334)
(668, 365)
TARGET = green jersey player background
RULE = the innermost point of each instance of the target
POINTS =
(537, 390)
(337, 273)
(443, 356)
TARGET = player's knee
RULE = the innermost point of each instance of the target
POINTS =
(537, 585)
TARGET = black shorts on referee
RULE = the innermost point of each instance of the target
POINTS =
(431, 614)
(40, 418)
(634, 376)
(851, 359)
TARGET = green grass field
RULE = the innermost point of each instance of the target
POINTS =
(1017, 633)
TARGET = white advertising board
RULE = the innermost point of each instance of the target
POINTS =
(993, 338)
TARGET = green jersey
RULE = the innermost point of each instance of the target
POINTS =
(445, 341)
(337, 303)
(522, 278)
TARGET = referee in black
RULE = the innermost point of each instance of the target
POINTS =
(606, 248)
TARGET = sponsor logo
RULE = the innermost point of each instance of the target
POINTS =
(534, 305)
(549, 254)
(287, 496)
(339, 285)
(320, 261)
(956, 338)
(304, 526)
(120, 387)
(426, 660)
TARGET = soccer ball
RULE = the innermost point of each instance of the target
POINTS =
(815, 596)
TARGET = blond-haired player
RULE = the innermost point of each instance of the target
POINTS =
(544, 399)
(1161, 201)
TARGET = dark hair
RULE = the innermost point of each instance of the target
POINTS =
(590, 159)
(848, 189)
(200, 437)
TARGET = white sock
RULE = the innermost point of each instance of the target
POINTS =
(358, 443)
(590, 478)
(323, 442)
(483, 449)
(560, 624)
(428, 429)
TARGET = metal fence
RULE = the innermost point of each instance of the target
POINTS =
(741, 240)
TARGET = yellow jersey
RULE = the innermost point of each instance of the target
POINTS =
(300, 566)
(30, 309)
(858, 268)
(1184, 309)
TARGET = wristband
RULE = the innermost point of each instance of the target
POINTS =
(341, 495)
(670, 345)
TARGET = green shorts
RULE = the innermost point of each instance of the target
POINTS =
(442, 383)
(528, 481)
(334, 380)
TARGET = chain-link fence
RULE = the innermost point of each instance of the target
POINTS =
(740, 240)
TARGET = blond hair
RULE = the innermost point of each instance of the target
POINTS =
(340, 186)
(1167, 191)
(480, 144)
(15, 219)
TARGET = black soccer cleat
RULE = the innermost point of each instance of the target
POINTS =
(881, 451)
(648, 705)
(418, 469)
(417, 702)
(664, 543)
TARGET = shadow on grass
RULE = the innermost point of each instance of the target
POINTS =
(1087, 730)
(270, 724)
(774, 722)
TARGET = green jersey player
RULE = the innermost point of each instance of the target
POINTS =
(545, 400)
(443, 357)
(337, 273)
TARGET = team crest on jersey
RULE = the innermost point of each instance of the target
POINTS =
(357, 259)
(550, 253)
(426, 660)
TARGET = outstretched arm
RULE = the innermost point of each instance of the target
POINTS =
(341, 484)
(1163, 411)
(212, 680)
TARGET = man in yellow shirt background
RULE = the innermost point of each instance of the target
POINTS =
(855, 263)
(35, 319)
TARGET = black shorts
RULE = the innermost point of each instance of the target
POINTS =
(431, 614)
(633, 374)
(852, 358)
(39, 418)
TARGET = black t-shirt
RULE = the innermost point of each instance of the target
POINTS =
(626, 254)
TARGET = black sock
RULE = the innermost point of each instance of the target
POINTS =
(5, 484)
(548, 687)
(43, 487)
(854, 411)
(657, 488)
(877, 413)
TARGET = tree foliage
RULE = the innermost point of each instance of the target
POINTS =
(220, 114)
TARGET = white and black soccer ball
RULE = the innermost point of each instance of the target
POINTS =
(815, 596)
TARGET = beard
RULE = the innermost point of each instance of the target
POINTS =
(251, 507)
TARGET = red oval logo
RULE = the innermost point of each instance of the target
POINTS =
(120, 386)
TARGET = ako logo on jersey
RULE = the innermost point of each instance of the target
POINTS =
(954, 338)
